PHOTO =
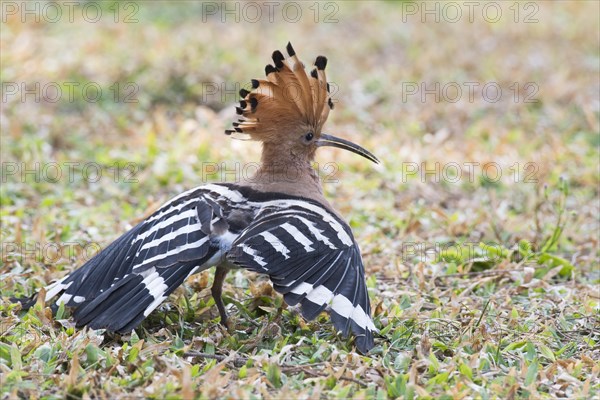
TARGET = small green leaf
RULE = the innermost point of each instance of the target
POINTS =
(555, 261)
(15, 358)
(5, 351)
(438, 379)
(515, 345)
(531, 351)
(434, 364)
(44, 353)
(134, 338)
(133, 353)
(524, 247)
(466, 371)
(547, 352)
(274, 375)
(494, 252)
(61, 311)
(531, 373)
(109, 360)
(91, 352)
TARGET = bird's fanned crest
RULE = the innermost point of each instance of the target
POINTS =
(286, 98)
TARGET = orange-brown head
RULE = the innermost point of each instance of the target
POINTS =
(287, 111)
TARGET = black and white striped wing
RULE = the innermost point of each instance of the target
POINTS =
(126, 281)
(313, 260)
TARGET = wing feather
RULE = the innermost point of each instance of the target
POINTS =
(123, 283)
(311, 263)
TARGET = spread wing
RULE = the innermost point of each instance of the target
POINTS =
(313, 260)
(127, 280)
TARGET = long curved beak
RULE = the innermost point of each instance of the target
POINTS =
(329, 140)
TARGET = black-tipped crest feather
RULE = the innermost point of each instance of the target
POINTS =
(290, 50)
(269, 69)
(278, 59)
(321, 62)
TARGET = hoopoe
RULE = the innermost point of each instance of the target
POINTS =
(276, 223)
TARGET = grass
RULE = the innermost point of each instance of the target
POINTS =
(483, 286)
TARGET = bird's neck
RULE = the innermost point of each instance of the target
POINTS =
(283, 171)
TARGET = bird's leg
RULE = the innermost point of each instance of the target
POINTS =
(217, 291)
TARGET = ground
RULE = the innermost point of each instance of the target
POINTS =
(479, 231)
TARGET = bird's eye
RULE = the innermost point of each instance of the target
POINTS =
(309, 136)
